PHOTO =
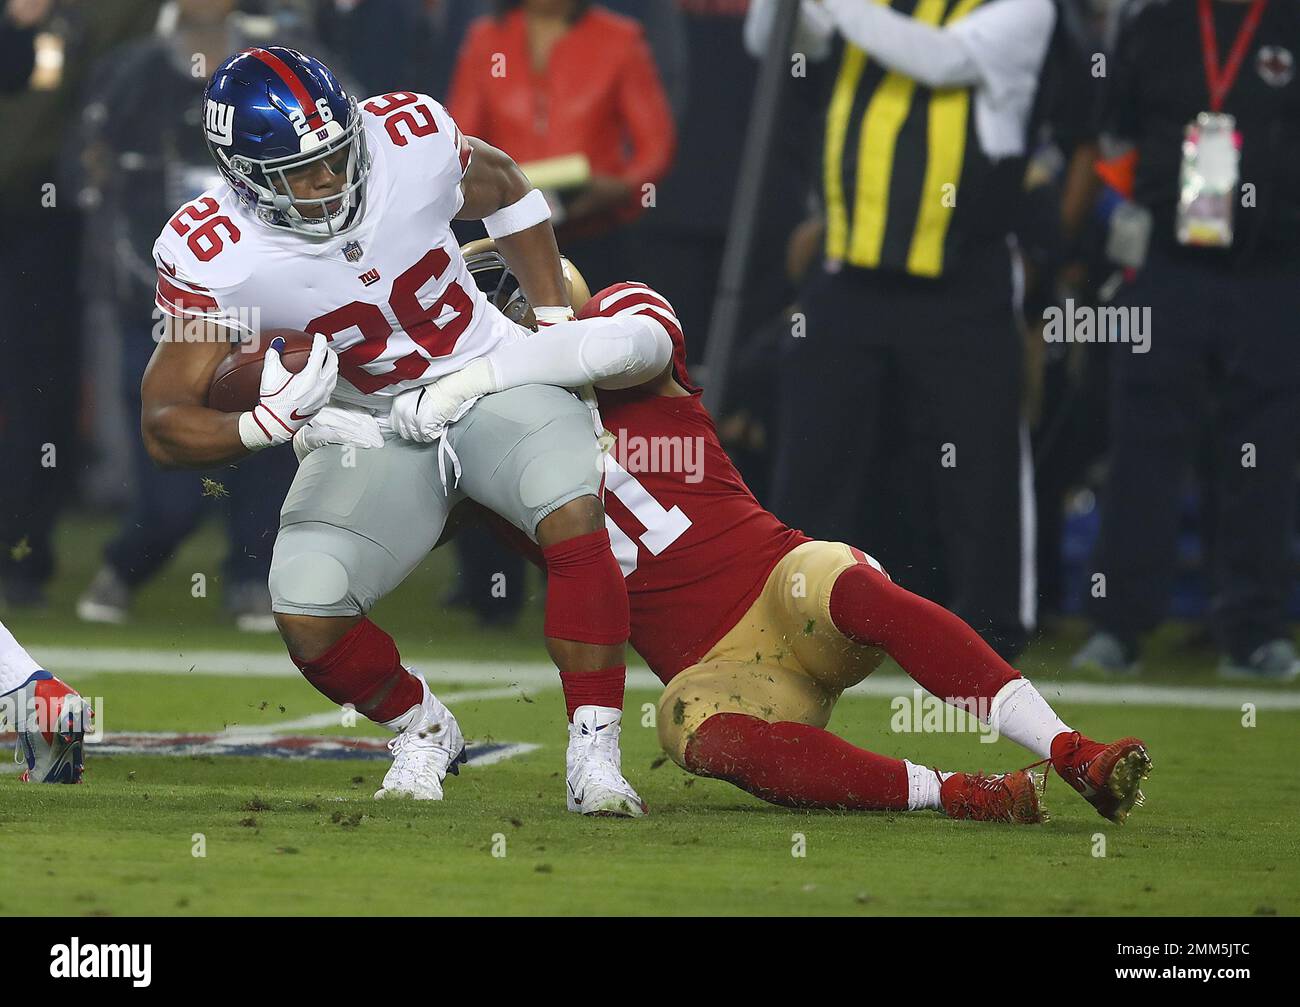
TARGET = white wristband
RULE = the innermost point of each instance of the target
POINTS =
(553, 314)
(251, 433)
(518, 216)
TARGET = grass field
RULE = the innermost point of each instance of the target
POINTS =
(289, 836)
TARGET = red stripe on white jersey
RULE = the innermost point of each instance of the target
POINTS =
(463, 151)
(286, 74)
(181, 301)
(170, 270)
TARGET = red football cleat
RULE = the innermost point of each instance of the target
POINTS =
(1010, 797)
(1108, 776)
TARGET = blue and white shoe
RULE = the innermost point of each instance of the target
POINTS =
(51, 720)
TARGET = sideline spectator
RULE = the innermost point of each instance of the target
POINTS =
(562, 79)
(40, 331)
(681, 240)
(1193, 87)
(923, 161)
(387, 45)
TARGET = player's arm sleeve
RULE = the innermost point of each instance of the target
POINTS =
(996, 46)
(647, 116)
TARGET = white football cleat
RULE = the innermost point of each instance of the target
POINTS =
(428, 746)
(594, 780)
(51, 721)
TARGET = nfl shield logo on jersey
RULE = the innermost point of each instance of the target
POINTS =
(352, 251)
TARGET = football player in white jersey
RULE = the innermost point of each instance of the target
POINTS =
(335, 220)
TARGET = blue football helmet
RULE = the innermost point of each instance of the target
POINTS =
(269, 113)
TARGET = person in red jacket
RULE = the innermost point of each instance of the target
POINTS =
(754, 628)
(551, 78)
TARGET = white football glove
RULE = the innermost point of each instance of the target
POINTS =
(288, 401)
(338, 425)
(422, 414)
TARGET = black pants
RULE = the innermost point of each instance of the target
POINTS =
(1232, 342)
(684, 266)
(949, 352)
(482, 561)
(169, 504)
(40, 386)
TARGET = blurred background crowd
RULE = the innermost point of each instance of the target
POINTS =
(939, 183)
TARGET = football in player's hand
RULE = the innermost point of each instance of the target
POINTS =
(236, 384)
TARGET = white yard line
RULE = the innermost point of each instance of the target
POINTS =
(503, 753)
(502, 679)
(244, 664)
(333, 718)
(1119, 694)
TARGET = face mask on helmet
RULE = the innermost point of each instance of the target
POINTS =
(493, 276)
(317, 192)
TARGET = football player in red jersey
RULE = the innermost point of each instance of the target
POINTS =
(754, 628)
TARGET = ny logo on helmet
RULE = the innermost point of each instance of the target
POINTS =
(219, 122)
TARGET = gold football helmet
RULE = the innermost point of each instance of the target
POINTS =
(494, 278)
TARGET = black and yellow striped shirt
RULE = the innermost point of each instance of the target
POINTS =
(905, 181)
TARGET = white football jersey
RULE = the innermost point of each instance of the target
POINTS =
(392, 294)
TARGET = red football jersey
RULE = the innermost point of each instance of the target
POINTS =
(694, 544)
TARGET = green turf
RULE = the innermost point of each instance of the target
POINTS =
(1218, 834)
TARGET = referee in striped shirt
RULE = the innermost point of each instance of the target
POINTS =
(916, 303)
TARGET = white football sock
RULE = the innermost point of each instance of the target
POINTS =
(427, 707)
(1019, 712)
(923, 787)
(16, 665)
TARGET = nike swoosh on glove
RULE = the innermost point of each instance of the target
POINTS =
(338, 425)
(422, 414)
(289, 401)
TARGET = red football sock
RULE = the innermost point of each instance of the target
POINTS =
(796, 765)
(943, 654)
(594, 688)
(364, 669)
(586, 596)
